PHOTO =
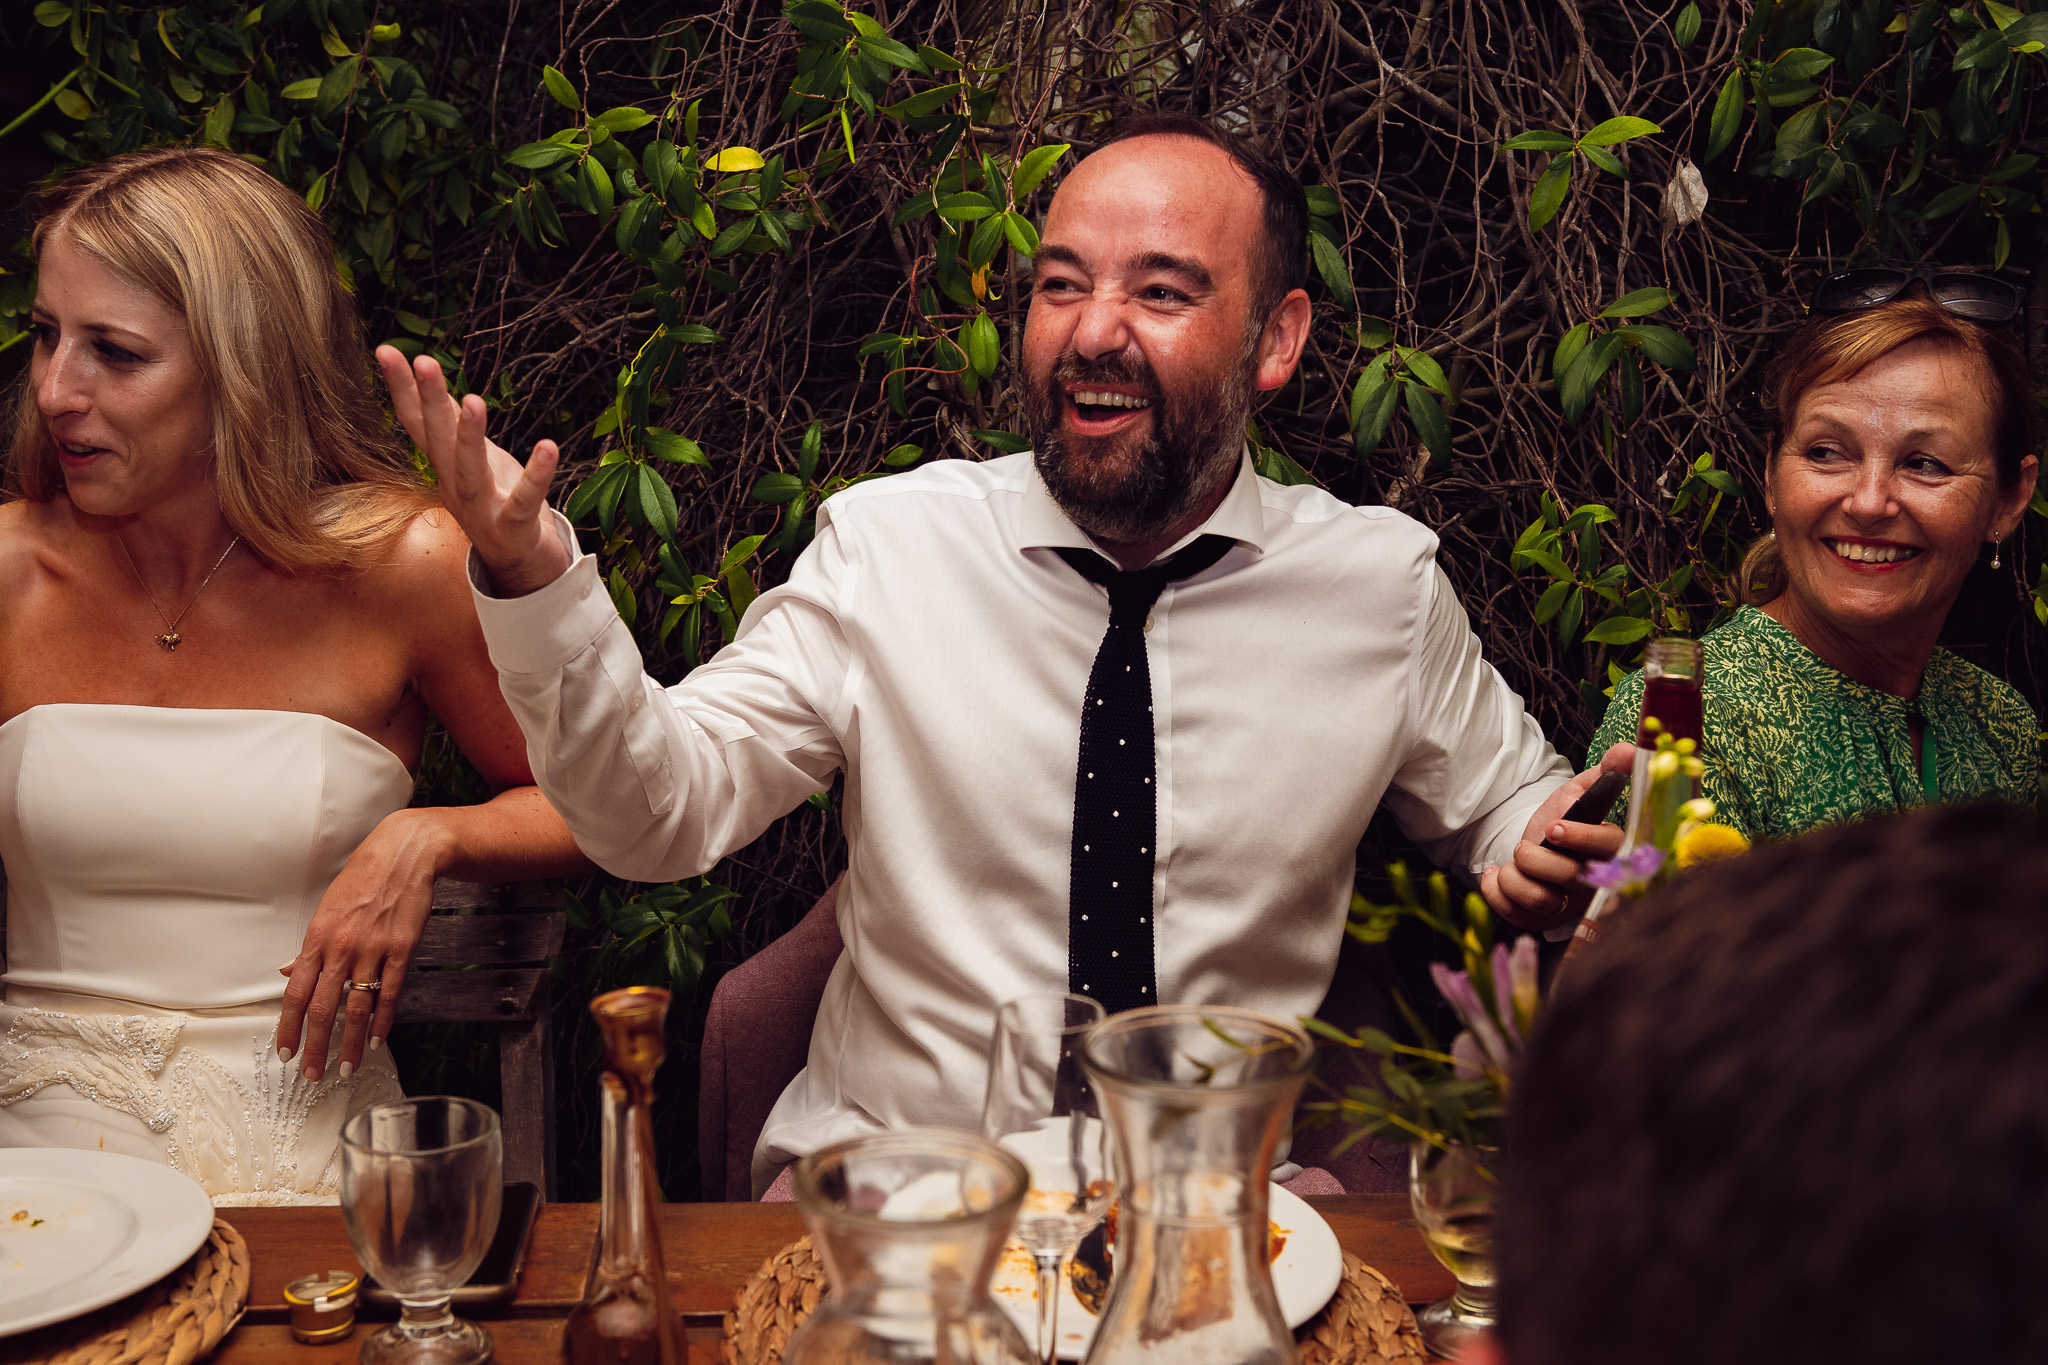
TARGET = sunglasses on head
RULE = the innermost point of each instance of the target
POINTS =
(1980, 298)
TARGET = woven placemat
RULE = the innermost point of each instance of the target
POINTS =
(1364, 1323)
(176, 1321)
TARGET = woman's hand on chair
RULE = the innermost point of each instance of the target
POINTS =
(364, 931)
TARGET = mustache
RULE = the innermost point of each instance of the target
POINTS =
(1072, 368)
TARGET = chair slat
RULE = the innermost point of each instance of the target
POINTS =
(466, 940)
(489, 996)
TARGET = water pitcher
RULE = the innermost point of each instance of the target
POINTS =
(1197, 1098)
(910, 1225)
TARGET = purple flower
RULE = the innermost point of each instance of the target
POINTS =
(1639, 864)
(1514, 985)
(1457, 988)
(1468, 1064)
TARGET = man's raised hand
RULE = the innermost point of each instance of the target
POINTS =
(497, 503)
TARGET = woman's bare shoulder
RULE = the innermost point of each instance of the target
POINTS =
(31, 532)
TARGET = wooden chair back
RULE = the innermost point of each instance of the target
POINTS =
(495, 966)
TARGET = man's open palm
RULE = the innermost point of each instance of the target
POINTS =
(498, 503)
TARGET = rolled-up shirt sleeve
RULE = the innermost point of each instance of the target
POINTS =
(1478, 766)
(660, 783)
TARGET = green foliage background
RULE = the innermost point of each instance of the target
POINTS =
(734, 256)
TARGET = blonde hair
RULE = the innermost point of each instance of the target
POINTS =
(305, 465)
(1829, 349)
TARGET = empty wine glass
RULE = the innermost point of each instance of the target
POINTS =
(1041, 1107)
(420, 1185)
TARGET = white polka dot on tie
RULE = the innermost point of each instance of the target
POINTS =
(1141, 919)
(1141, 990)
(1148, 781)
(1114, 814)
(1091, 777)
(1112, 886)
(1119, 744)
(1085, 987)
(1084, 917)
(1144, 850)
(1084, 848)
(1098, 702)
(1112, 952)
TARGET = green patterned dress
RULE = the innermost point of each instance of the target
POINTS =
(1792, 745)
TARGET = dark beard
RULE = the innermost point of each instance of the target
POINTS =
(1124, 493)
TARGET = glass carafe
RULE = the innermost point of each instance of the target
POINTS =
(910, 1225)
(1197, 1097)
(625, 1318)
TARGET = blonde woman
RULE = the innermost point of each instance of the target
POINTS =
(226, 608)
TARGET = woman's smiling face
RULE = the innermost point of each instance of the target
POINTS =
(119, 387)
(1884, 489)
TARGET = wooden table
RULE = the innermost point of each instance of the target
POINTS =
(711, 1251)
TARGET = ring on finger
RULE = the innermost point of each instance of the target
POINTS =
(371, 986)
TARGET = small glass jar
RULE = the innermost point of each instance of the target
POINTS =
(323, 1306)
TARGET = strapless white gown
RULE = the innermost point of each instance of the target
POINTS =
(161, 864)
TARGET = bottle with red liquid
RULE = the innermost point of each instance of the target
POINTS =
(625, 1318)
(1671, 698)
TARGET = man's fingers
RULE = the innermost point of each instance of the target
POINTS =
(530, 494)
(405, 392)
(1598, 841)
(1619, 758)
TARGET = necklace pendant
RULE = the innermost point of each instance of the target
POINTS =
(169, 640)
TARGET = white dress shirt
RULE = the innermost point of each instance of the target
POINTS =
(932, 645)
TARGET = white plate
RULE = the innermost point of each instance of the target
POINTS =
(1305, 1274)
(80, 1229)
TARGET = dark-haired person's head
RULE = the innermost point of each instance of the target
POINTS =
(1796, 1109)
(1167, 292)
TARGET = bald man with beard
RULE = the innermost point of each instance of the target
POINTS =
(1296, 661)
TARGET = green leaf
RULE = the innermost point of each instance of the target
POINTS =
(808, 451)
(1800, 63)
(903, 455)
(1948, 201)
(1033, 168)
(596, 188)
(1638, 303)
(1322, 201)
(964, 208)
(1023, 237)
(1548, 195)
(1661, 344)
(1539, 140)
(334, 87)
(1006, 441)
(1553, 598)
(77, 106)
(558, 85)
(815, 19)
(306, 89)
(983, 346)
(1336, 275)
(623, 119)
(1618, 630)
(1372, 406)
(890, 51)
(664, 444)
(1374, 332)
(589, 494)
(733, 236)
(1606, 161)
(540, 157)
(657, 502)
(1987, 49)
(1622, 129)
(1430, 423)
(692, 334)
(53, 14)
(924, 101)
(1568, 348)
(777, 488)
(1425, 369)
(1727, 119)
(1576, 386)
(1687, 26)
(220, 121)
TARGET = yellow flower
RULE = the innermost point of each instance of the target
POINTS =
(1707, 842)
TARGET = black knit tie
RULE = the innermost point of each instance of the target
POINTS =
(1109, 891)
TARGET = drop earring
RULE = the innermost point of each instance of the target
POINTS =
(1994, 551)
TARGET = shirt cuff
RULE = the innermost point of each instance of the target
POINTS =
(545, 629)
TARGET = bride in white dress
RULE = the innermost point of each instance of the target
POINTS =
(226, 608)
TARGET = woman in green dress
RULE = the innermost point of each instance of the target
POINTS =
(1901, 445)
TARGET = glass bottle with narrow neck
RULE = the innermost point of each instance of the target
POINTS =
(625, 1317)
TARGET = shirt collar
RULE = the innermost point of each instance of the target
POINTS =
(1240, 516)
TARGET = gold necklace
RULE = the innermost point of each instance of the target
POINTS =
(170, 638)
